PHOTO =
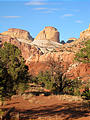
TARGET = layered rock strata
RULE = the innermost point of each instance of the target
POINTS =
(19, 34)
(36, 58)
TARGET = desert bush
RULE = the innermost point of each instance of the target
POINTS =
(58, 84)
(44, 78)
(21, 88)
(77, 92)
(86, 93)
(55, 80)
(84, 54)
(74, 87)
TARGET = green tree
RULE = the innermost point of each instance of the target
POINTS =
(54, 79)
(13, 70)
(45, 79)
(84, 54)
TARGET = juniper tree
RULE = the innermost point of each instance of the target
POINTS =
(13, 70)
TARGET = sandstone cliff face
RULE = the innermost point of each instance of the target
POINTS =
(26, 49)
(37, 59)
(85, 34)
(79, 70)
(19, 34)
(48, 33)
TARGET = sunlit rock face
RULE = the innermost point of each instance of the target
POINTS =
(48, 33)
(23, 35)
(85, 34)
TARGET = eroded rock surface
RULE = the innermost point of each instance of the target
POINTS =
(46, 45)
(85, 34)
(48, 33)
(23, 35)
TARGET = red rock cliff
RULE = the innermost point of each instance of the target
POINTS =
(36, 59)
(19, 34)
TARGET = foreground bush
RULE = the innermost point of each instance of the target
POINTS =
(13, 71)
(58, 84)
(86, 93)
(55, 80)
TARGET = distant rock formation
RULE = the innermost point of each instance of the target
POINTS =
(19, 34)
(85, 34)
(48, 33)
(71, 40)
(46, 45)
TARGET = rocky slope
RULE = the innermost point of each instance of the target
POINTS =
(25, 47)
(46, 45)
(85, 34)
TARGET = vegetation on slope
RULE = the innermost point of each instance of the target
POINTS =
(55, 80)
(14, 73)
(84, 54)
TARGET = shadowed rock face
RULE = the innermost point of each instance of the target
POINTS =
(48, 33)
(19, 34)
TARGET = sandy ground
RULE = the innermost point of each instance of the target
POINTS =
(48, 108)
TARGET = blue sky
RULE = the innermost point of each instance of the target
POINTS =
(70, 17)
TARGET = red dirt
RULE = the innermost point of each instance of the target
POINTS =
(48, 108)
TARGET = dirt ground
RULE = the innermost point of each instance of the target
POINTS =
(48, 108)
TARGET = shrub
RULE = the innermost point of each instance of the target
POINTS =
(86, 93)
(58, 83)
(84, 54)
(21, 88)
(44, 78)
(55, 80)
(73, 87)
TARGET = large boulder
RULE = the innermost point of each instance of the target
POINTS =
(19, 34)
(48, 33)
